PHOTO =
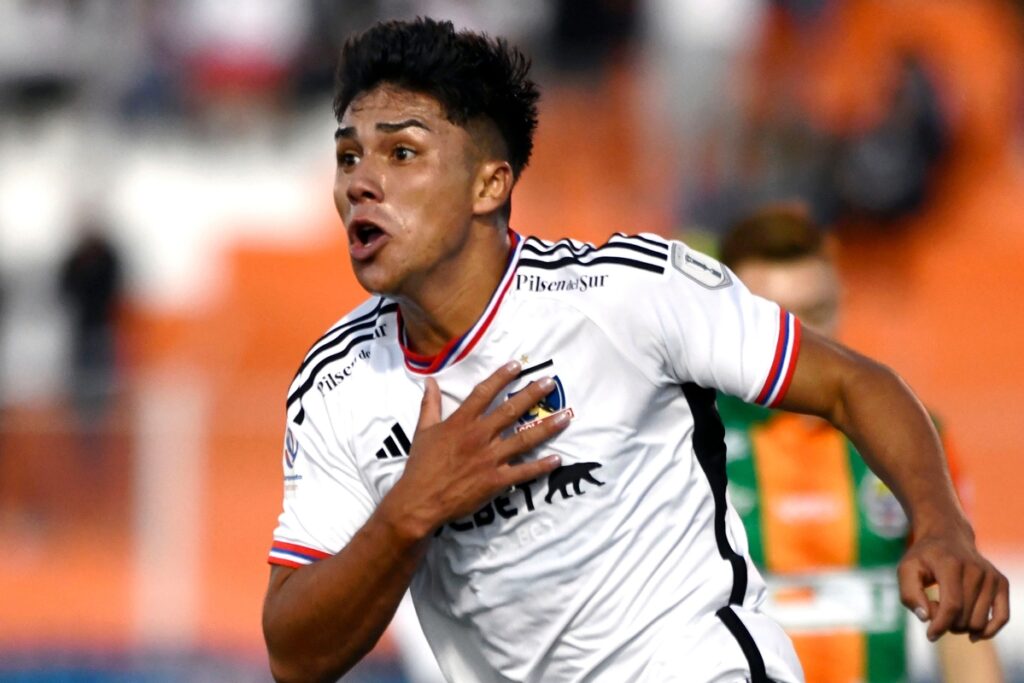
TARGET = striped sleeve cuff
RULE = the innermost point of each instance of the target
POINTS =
(787, 348)
(292, 555)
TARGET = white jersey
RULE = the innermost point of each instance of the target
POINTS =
(626, 563)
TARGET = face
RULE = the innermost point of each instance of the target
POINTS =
(406, 187)
(807, 287)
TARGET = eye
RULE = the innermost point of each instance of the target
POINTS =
(402, 153)
(347, 159)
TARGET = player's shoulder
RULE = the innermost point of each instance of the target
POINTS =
(341, 346)
(623, 261)
(645, 253)
(570, 266)
(353, 329)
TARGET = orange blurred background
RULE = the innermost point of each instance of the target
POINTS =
(148, 530)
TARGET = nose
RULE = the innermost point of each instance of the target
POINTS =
(364, 184)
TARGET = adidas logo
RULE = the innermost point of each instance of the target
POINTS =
(395, 445)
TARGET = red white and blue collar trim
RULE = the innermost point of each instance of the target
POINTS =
(458, 348)
(787, 348)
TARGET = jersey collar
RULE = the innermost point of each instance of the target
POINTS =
(458, 348)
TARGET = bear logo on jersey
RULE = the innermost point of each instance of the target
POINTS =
(551, 404)
(561, 478)
(291, 449)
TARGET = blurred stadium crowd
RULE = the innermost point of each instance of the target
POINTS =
(168, 250)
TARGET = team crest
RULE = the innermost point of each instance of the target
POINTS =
(549, 405)
(291, 449)
(884, 514)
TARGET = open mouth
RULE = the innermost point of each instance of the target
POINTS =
(366, 239)
(367, 233)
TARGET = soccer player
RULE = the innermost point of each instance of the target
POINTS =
(826, 533)
(524, 433)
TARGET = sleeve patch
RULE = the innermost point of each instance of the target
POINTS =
(702, 269)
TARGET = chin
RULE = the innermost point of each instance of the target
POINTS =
(375, 279)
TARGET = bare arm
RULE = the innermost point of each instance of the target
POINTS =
(894, 433)
(962, 660)
(318, 621)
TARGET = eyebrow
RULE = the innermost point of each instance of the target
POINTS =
(350, 131)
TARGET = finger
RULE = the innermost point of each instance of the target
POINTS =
(973, 579)
(913, 577)
(1000, 608)
(983, 604)
(430, 406)
(486, 391)
(527, 439)
(510, 410)
(527, 471)
(951, 595)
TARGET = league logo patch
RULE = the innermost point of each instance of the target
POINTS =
(704, 270)
(291, 449)
(549, 405)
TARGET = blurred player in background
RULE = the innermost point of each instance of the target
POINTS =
(91, 280)
(523, 432)
(825, 531)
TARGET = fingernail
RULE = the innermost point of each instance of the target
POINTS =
(562, 417)
(513, 366)
(546, 383)
(921, 613)
(555, 460)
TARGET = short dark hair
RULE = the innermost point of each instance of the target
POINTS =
(776, 234)
(470, 74)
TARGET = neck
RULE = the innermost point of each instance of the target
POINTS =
(445, 303)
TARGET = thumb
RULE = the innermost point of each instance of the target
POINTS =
(430, 407)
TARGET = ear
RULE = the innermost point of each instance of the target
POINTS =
(493, 187)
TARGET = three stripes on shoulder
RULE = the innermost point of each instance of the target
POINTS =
(637, 251)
